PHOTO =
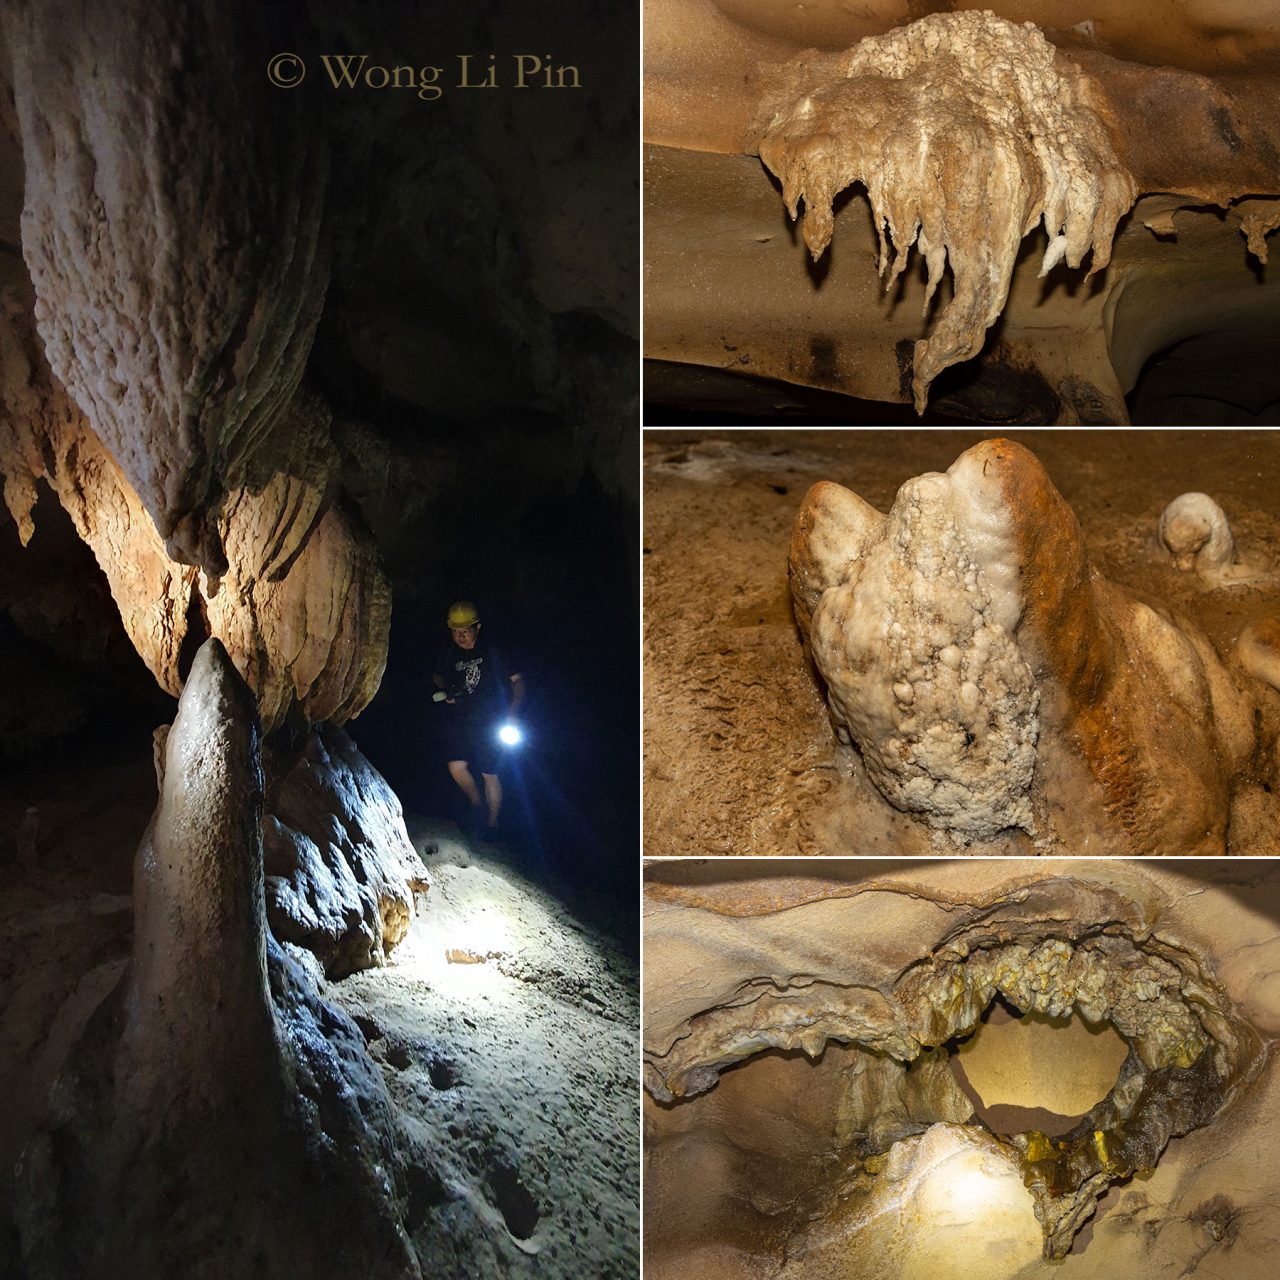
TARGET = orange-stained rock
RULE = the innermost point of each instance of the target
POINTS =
(303, 607)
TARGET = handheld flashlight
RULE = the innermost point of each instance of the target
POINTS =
(509, 734)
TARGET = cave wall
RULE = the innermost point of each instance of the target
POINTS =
(276, 358)
(451, 276)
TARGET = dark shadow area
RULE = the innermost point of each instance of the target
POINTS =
(552, 580)
(679, 395)
(1229, 378)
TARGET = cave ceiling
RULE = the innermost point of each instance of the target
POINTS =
(809, 1112)
(1178, 326)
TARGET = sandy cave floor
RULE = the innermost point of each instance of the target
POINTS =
(513, 1078)
(516, 1073)
(739, 757)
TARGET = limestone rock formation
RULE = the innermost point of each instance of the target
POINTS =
(302, 607)
(959, 118)
(318, 634)
(172, 229)
(1258, 650)
(215, 1118)
(992, 679)
(1196, 534)
(340, 868)
(800, 1022)
(935, 1178)
(967, 131)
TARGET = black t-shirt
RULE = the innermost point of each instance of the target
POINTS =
(477, 679)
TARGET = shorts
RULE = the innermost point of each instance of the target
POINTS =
(475, 740)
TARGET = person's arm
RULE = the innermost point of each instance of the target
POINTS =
(517, 692)
(439, 681)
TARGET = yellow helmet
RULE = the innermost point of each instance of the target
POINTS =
(462, 613)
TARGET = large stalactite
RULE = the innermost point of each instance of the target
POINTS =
(172, 227)
(966, 134)
(173, 231)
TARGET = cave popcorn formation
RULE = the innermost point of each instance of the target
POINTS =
(932, 619)
(967, 131)
(991, 678)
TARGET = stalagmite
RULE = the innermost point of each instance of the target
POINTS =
(966, 131)
(215, 1117)
(992, 679)
(1197, 536)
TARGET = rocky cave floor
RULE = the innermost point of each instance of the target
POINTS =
(513, 1076)
(739, 755)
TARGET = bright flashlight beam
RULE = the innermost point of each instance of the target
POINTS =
(510, 735)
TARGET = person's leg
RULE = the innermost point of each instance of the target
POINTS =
(493, 794)
(459, 772)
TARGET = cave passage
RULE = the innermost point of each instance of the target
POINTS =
(286, 367)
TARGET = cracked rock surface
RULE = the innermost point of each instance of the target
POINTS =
(340, 870)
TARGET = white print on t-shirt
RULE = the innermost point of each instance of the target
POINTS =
(470, 667)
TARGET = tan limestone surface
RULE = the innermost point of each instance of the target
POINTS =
(765, 1170)
(1176, 109)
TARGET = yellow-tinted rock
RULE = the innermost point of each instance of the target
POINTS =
(1062, 1065)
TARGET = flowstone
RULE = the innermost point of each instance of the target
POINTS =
(966, 131)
